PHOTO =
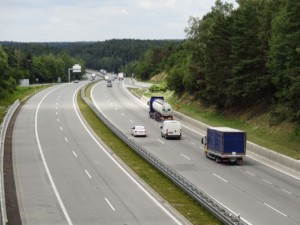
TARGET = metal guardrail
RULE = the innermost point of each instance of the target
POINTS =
(220, 211)
(4, 126)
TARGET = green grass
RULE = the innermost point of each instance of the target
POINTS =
(184, 204)
(20, 93)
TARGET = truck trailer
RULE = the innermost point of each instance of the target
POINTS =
(159, 109)
(224, 144)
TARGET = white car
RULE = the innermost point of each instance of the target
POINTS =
(138, 131)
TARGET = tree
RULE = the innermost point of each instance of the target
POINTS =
(284, 56)
(249, 77)
(210, 46)
(7, 82)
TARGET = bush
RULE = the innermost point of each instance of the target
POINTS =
(159, 88)
(279, 114)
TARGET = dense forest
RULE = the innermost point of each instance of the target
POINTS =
(237, 58)
(17, 64)
(46, 62)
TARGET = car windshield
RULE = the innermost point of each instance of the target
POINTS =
(140, 128)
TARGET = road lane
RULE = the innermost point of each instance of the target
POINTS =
(65, 176)
(245, 192)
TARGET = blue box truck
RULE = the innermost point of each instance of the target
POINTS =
(224, 144)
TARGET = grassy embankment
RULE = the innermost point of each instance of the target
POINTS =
(20, 93)
(163, 186)
(281, 138)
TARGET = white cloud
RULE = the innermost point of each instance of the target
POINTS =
(92, 20)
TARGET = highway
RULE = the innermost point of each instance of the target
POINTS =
(259, 193)
(64, 175)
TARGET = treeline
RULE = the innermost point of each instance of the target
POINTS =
(17, 64)
(112, 55)
(46, 62)
(237, 58)
(115, 55)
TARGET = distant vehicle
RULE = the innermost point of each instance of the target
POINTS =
(93, 76)
(121, 76)
(171, 129)
(103, 71)
(109, 83)
(106, 77)
(224, 144)
(159, 109)
(76, 81)
(138, 131)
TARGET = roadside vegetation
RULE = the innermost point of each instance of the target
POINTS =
(20, 93)
(178, 199)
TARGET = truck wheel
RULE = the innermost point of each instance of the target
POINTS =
(218, 160)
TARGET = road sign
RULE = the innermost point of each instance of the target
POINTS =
(76, 68)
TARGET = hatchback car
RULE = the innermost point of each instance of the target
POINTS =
(138, 131)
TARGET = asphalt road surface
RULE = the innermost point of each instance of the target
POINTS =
(259, 193)
(65, 176)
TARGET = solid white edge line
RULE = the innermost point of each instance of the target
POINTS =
(46, 166)
(119, 165)
(272, 167)
(111, 206)
(276, 210)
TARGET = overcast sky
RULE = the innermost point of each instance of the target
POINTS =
(97, 20)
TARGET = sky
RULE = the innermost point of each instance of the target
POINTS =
(98, 20)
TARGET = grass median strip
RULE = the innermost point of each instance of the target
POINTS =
(183, 203)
